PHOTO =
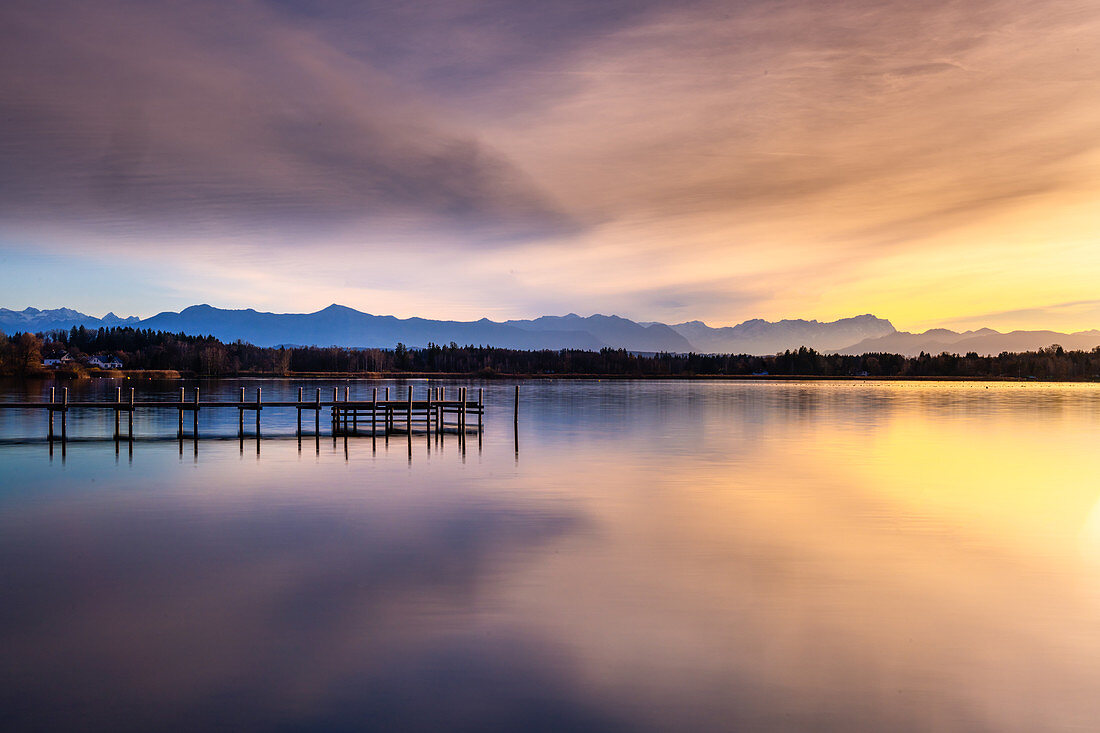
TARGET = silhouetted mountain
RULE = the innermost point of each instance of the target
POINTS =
(984, 342)
(339, 325)
(33, 319)
(613, 331)
(342, 326)
(761, 337)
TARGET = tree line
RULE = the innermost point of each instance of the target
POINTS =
(145, 349)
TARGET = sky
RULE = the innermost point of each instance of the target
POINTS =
(934, 163)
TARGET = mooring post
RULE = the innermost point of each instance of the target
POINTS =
(480, 408)
(441, 416)
(240, 415)
(347, 398)
(64, 411)
(335, 405)
(515, 411)
(130, 422)
(409, 414)
(195, 421)
(428, 412)
(179, 415)
(386, 413)
(299, 412)
(258, 408)
(118, 418)
(53, 401)
(317, 417)
(373, 411)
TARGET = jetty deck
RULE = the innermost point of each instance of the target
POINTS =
(383, 414)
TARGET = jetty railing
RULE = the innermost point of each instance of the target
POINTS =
(439, 411)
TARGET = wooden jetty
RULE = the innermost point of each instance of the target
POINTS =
(439, 410)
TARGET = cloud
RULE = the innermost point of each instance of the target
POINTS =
(620, 150)
(880, 119)
(214, 117)
(1078, 314)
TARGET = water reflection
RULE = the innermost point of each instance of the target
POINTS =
(191, 611)
(670, 556)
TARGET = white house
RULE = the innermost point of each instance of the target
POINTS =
(53, 361)
(105, 362)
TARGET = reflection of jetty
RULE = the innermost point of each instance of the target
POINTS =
(440, 411)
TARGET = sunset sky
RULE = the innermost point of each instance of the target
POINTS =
(935, 163)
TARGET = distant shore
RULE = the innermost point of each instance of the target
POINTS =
(145, 355)
(171, 374)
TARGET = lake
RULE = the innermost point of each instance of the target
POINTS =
(642, 556)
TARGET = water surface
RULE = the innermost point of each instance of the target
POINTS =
(648, 556)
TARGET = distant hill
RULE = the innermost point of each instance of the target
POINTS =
(985, 342)
(339, 325)
(766, 337)
(613, 331)
(32, 319)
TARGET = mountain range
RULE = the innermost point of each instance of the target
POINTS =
(339, 325)
(984, 341)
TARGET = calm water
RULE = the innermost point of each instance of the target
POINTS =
(656, 556)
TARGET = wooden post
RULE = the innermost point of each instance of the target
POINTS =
(64, 411)
(355, 418)
(179, 415)
(118, 417)
(373, 411)
(480, 407)
(465, 397)
(53, 400)
(335, 400)
(387, 414)
(258, 408)
(515, 411)
(130, 421)
(317, 415)
(428, 413)
(240, 415)
(347, 398)
(441, 418)
(409, 414)
(299, 412)
(195, 422)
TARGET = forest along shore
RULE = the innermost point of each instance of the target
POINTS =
(146, 354)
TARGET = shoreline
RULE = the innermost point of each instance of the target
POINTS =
(173, 375)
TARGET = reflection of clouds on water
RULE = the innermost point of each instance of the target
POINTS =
(173, 615)
(677, 556)
(477, 681)
(1089, 539)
